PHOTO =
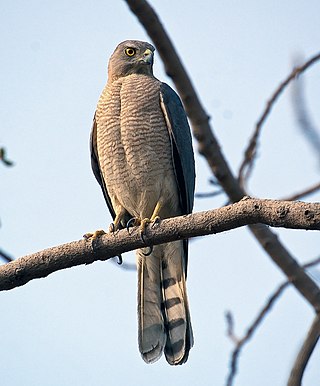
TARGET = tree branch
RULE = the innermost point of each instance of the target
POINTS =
(240, 342)
(297, 196)
(294, 215)
(249, 333)
(307, 128)
(5, 256)
(305, 352)
(210, 148)
(247, 164)
(3, 157)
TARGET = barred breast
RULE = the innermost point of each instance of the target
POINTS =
(134, 146)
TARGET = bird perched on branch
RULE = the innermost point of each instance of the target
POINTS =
(142, 157)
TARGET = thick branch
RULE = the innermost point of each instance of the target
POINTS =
(210, 148)
(305, 352)
(296, 215)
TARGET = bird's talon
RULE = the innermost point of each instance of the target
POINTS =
(143, 225)
(112, 228)
(142, 237)
(156, 221)
(132, 222)
(119, 260)
(149, 251)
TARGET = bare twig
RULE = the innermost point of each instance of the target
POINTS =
(5, 256)
(214, 193)
(308, 129)
(240, 342)
(297, 215)
(208, 194)
(3, 157)
(306, 192)
(305, 353)
(230, 328)
(251, 151)
(312, 263)
(210, 148)
(250, 331)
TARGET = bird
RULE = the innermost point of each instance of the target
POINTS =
(142, 157)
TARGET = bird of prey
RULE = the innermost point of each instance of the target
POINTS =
(142, 157)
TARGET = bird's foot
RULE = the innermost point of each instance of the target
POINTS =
(113, 228)
(95, 235)
(146, 221)
(143, 225)
(100, 232)
(134, 221)
(148, 253)
(155, 221)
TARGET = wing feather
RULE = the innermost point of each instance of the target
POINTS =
(182, 151)
(181, 140)
(96, 166)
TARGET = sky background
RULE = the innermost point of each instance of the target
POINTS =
(78, 326)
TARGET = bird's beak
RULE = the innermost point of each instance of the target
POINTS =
(147, 57)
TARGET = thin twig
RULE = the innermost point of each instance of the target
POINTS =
(230, 328)
(250, 331)
(5, 256)
(216, 192)
(251, 151)
(208, 194)
(302, 359)
(240, 342)
(311, 263)
(307, 128)
(3, 157)
(306, 192)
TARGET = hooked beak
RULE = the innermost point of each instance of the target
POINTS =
(147, 57)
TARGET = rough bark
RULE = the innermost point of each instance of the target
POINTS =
(293, 215)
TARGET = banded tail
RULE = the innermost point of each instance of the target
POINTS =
(163, 312)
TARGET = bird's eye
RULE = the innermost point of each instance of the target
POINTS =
(130, 51)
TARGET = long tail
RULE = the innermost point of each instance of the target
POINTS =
(151, 331)
(163, 311)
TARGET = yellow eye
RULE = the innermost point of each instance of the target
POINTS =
(130, 51)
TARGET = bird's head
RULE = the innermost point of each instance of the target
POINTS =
(131, 57)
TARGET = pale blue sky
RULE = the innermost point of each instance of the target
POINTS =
(78, 327)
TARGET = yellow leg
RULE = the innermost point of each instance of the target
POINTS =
(155, 214)
(154, 218)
